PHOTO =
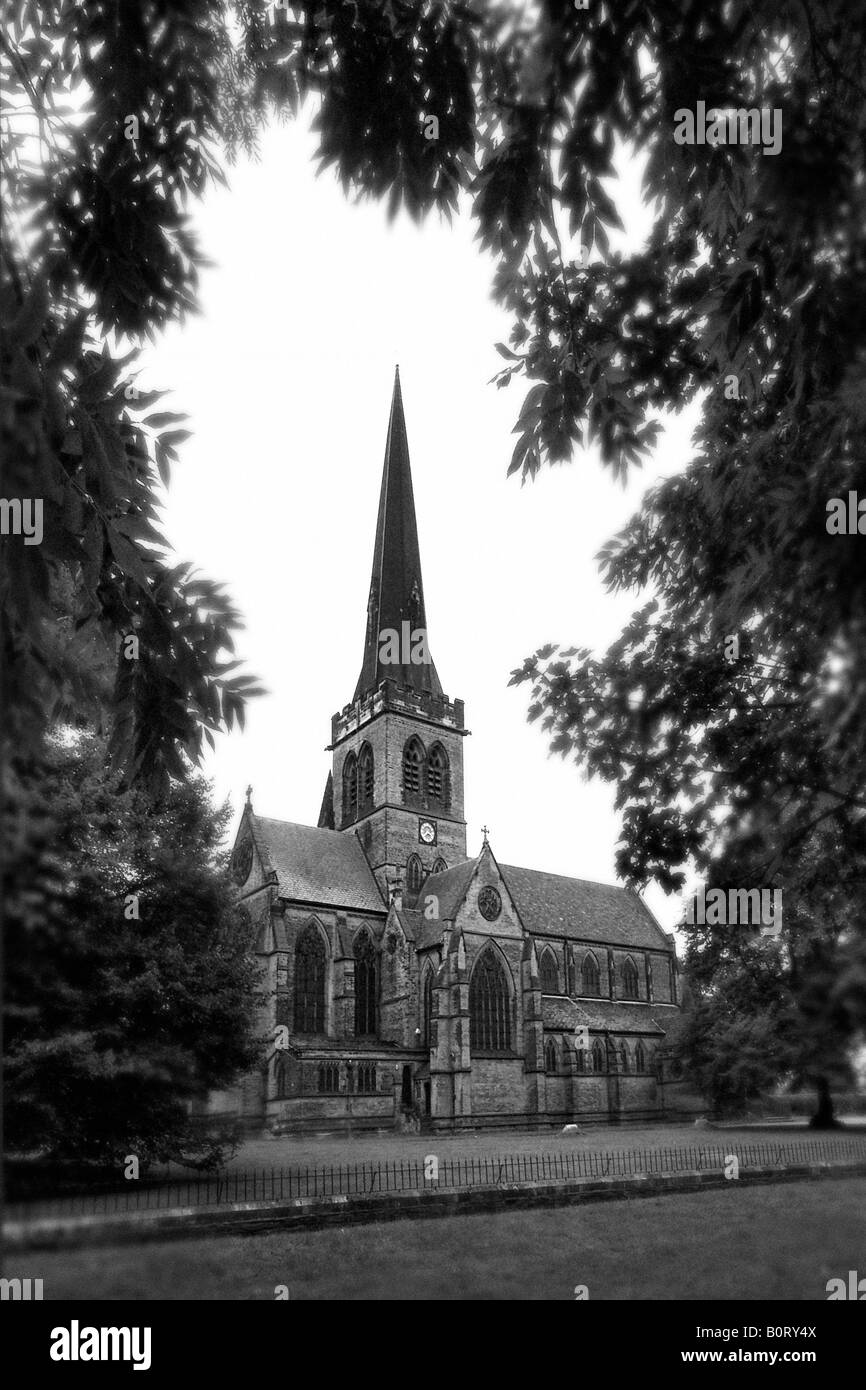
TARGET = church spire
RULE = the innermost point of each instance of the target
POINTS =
(396, 602)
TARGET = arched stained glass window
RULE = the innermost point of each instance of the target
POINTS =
(489, 1006)
(549, 974)
(629, 980)
(640, 1057)
(365, 779)
(310, 969)
(350, 788)
(597, 1054)
(365, 986)
(550, 1056)
(624, 1056)
(440, 866)
(414, 875)
(427, 1009)
(413, 763)
(590, 979)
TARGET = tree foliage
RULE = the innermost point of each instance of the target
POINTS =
(109, 123)
(767, 1009)
(114, 1021)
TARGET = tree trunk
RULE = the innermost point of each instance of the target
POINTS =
(823, 1117)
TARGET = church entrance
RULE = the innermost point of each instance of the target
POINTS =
(406, 1088)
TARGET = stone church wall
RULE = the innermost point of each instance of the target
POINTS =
(497, 1086)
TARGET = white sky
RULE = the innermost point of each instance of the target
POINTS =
(286, 377)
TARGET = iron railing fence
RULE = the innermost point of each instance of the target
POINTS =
(431, 1172)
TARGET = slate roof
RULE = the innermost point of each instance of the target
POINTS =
(449, 887)
(582, 911)
(318, 866)
(561, 1013)
(412, 922)
(396, 588)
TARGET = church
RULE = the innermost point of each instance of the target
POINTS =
(408, 985)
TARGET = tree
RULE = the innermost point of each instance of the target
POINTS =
(108, 128)
(130, 986)
(787, 1006)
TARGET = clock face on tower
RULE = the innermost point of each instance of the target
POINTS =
(427, 832)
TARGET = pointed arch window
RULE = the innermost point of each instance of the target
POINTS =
(350, 788)
(310, 970)
(365, 779)
(629, 980)
(580, 1060)
(365, 986)
(439, 867)
(414, 875)
(413, 765)
(640, 1057)
(624, 1056)
(427, 1009)
(489, 1006)
(549, 973)
(329, 1078)
(550, 1057)
(590, 978)
(438, 777)
(597, 1054)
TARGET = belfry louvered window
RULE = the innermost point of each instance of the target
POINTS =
(413, 761)
(310, 967)
(350, 788)
(437, 775)
(489, 1006)
(365, 779)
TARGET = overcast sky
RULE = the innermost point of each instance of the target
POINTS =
(286, 377)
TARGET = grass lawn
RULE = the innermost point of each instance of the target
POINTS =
(776, 1242)
(313, 1150)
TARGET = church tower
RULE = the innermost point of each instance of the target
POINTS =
(397, 779)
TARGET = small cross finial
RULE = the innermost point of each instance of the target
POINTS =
(249, 795)
(485, 832)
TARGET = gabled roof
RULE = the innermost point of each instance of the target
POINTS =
(449, 887)
(411, 921)
(396, 588)
(583, 911)
(318, 866)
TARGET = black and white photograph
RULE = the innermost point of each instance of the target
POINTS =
(433, 692)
